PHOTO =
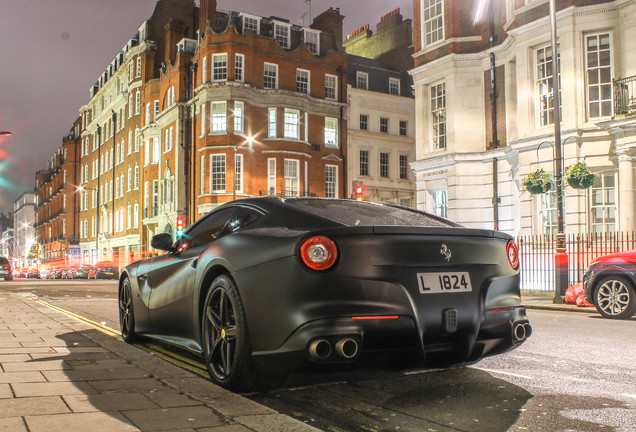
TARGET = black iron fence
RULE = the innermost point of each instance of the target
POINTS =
(625, 95)
(536, 254)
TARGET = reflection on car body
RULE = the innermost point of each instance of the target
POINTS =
(306, 281)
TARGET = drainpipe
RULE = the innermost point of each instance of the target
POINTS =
(341, 72)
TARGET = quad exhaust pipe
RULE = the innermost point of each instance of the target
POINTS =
(521, 332)
(321, 349)
(347, 348)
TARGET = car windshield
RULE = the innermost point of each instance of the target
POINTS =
(355, 213)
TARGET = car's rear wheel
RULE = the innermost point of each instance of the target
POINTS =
(126, 314)
(226, 346)
(615, 297)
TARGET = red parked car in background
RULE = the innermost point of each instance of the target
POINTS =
(610, 284)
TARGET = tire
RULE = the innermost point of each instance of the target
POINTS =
(126, 314)
(615, 297)
(226, 346)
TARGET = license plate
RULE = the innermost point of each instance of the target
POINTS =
(433, 283)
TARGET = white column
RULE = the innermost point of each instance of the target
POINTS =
(627, 209)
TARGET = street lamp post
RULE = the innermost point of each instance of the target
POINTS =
(560, 256)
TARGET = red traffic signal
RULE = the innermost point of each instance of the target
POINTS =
(180, 226)
(358, 191)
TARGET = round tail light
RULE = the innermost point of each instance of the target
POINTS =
(318, 252)
(513, 254)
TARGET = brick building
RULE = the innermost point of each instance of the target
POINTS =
(57, 204)
(381, 131)
(199, 107)
(484, 112)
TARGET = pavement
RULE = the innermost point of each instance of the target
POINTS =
(59, 374)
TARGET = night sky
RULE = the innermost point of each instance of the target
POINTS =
(53, 51)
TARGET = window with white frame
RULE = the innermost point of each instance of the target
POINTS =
(156, 150)
(598, 68)
(404, 165)
(384, 124)
(137, 102)
(219, 117)
(331, 181)
(219, 67)
(239, 115)
(384, 165)
(291, 128)
(291, 177)
(394, 86)
(438, 115)
(331, 86)
(603, 204)
(156, 111)
(433, 21)
(312, 40)
(362, 80)
(202, 179)
(136, 182)
(544, 84)
(129, 216)
(331, 131)
(548, 213)
(217, 172)
(364, 162)
(270, 77)
(271, 123)
(364, 122)
(281, 34)
(440, 202)
(147, 114)
(129, 183)
(167, 142)
(239, 67)
(403, 127)
(138, 72)
(271, 176)
(203, 122)
(302, 81)
(251, 23)
(136, 216)
(204, 70)
(238, 173)
(131, 71)
(137, 140)
(130, 105)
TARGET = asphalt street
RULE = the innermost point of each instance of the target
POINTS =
(576, 373)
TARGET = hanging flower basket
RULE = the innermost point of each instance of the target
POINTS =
(582, 181)
(539, 186)
(579, 176)
(537, 182)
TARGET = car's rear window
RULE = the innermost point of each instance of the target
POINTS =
(356, 213)
(4, 260)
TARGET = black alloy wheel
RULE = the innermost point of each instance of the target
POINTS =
(226, 347)
(615, 297)
(126, 315)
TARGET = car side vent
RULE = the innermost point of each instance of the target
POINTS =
(449, 318)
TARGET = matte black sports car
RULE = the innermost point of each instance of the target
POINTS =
(325, 281)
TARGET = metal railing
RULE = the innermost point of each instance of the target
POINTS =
(625, 95)
(536, 254)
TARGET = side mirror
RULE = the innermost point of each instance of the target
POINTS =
(162, 241)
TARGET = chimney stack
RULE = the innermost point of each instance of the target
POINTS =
(330, 21)
(206, 15)
(175, 31)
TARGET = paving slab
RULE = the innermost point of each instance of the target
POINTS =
(20, 407)
(12, 424)
(52, 389)
(93, 422)
(21, 377)
(108, 402)
(174, 418)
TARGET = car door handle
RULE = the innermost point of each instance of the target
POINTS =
(195, 262)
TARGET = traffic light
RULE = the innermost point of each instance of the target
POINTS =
(180, 224)
(358, 190)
